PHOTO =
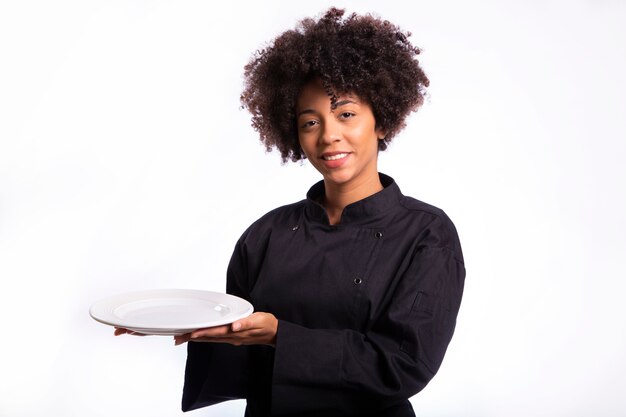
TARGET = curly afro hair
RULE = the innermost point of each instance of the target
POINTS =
(363, 55)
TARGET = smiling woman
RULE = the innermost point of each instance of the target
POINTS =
(363, 55)
(341, 142)
(356, 288)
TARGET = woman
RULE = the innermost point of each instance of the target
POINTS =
(356, 289)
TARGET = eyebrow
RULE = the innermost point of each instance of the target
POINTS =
(333, 107)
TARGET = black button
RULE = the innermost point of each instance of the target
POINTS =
(358, 281)
(378, 234)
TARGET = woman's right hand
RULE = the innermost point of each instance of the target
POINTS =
(257, 329)
(120, 330)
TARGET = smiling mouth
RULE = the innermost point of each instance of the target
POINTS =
(334, 157)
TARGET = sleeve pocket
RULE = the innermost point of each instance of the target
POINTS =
(426, 331)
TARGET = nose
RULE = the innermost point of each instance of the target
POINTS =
(331, 131)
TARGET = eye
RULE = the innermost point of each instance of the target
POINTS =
(346, 115)
(308, 124)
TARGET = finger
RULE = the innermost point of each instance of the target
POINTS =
(237, 326)
(120, 331)
(219, 331)
(180, 339)
(253, 321)
(228, 340)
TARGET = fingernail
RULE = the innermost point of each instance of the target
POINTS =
(236, 326)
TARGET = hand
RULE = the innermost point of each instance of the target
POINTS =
(256, 329)
(119, 331)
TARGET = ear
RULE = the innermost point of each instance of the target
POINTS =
(380, 133)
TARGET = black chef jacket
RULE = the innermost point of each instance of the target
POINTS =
(366, 309)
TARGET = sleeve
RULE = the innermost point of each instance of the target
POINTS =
(205, 374)
(317, 370)
(217, 372)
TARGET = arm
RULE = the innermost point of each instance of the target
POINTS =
(394, 357)
(217, 372)
(256, 329)
(318, 370)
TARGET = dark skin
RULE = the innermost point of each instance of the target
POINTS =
(256, 329)
(353, 180)
(360, 54)
(394, 94)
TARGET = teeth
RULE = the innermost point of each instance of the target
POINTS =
(335, 157)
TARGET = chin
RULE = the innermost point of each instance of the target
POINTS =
(338, 178)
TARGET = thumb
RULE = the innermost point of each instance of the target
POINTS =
(246, 323)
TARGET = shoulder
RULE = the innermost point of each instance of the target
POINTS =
(418, 207)
(433, 226)
(415, 213)
(281, 217)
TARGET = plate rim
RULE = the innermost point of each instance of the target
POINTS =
(96, 310)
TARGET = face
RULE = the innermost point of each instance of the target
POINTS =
(341, 143)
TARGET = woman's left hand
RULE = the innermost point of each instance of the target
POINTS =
(256, 329)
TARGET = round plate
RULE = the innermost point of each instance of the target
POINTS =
(170, 312)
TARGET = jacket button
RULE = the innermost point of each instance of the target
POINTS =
(296, 227)
(358, 281)
(378, 234)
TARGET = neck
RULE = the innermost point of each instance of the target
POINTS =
(338, 196)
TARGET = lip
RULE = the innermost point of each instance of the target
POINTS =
(334, 163)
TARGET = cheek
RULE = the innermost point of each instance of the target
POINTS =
(306, 147)
(368, 137)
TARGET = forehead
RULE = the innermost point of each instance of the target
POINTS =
(314, 94)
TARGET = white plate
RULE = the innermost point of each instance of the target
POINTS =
(170, 312)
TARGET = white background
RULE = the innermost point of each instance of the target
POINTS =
(126, 164)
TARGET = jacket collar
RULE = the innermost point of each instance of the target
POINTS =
(359, 211)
